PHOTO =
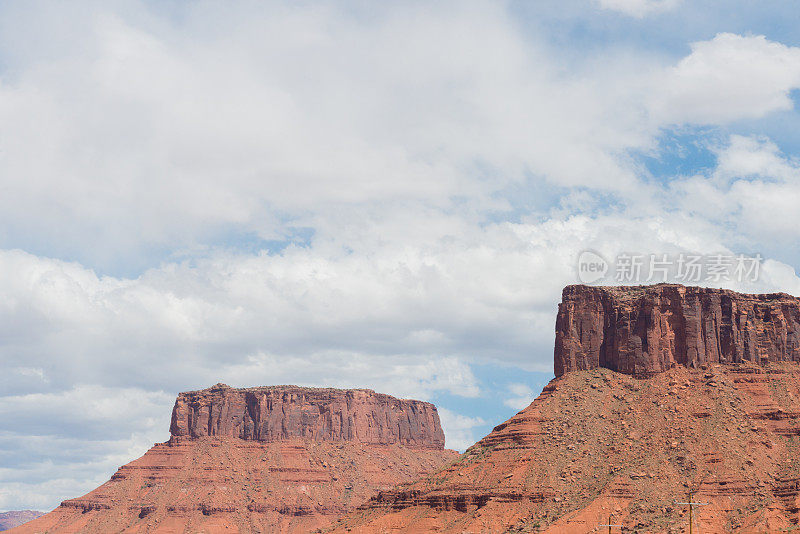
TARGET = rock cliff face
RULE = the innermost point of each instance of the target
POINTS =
(642, 330)
(262, 460)
(714, 409)
(278, 413)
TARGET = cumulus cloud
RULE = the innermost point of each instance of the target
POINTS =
(728, 78)
(753, 190)
(298, 109)
(523, 396)
(459, 429)
(153, 134)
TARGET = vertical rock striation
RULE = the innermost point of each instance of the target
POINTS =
(277, 413)
(599, 441)
(643, 330)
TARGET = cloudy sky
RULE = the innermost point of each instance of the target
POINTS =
(355, 194)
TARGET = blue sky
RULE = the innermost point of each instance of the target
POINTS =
(355, 194)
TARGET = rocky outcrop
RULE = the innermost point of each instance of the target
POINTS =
(278, 413)
(281, 459)
(713, 407)
(642, 330)
(599, 443)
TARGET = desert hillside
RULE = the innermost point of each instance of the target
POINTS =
(271, 459)
(662, 391)
(598, 443)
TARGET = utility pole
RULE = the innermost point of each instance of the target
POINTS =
(610, 526)
(690, 504)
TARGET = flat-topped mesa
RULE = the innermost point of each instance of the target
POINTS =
(277, 413)
(643, 330)
(280, 460)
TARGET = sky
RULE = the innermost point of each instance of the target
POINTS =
(388, 195)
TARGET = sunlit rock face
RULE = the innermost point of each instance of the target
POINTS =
(642, 330)
(276, 413)
(660, 391)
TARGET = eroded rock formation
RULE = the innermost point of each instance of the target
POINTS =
(713, 408)
(642, 330)
(261, 460)
(599, 443)
(278, 413)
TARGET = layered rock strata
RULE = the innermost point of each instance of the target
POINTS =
(278, 413)
(261, 460)
(642, 330)
(660, 391)
(598, 443)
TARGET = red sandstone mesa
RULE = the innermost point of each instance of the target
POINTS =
(649, 329)
(267, 459)
(599, 443)
(279, 413)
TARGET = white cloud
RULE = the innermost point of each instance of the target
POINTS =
(639, 8)
(417, 376)
(754, 157)
(155, 133)
(754, 190)
(728, 78)
(459, 429)
(91, 411)
(523, 396)
(62, 444)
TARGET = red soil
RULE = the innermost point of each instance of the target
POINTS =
(599, 443)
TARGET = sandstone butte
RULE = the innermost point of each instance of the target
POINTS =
(648, 329)
(660, 391)
(267, 459)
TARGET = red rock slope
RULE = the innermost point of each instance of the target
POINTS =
(598, 442)
(271, 459)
